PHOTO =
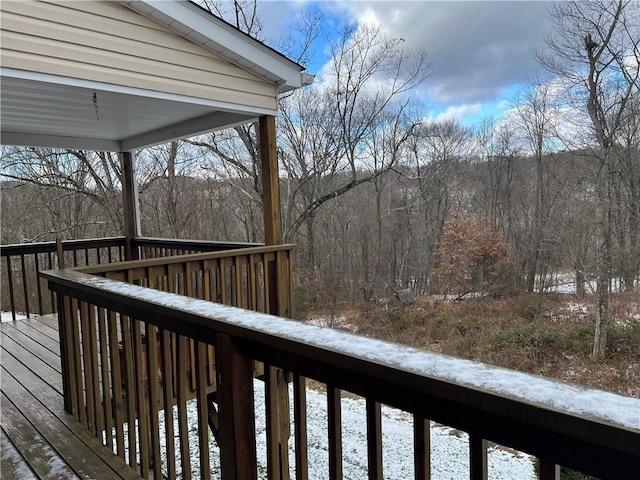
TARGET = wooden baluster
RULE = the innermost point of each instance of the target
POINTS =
(171, 280)
(77, 384)
(422, 448)
(12, 298)
(141, 411)
(273, 430)
(290, 290)
(282, 277)
(94, 384)
(300, 421)
(203, 410)
(206, 291)
(223, 282)
(374, 439)
(88, 399)
(39, 287)
(253, 295)
(107, 412)
(334, 411)
(116, 381)
(549, 470)
(238, 283)
(478, 457)
(130, 394)
(24, 285)
(237, 433)
(266, 269)
(167, 397)
(54, 306)
(189, 290)
(153, 385)
(66, 353)
(183, 428)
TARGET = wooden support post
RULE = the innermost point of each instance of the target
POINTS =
(237, 435)
(270, 181)
(130, 203)
(270, 200)
(273, 236)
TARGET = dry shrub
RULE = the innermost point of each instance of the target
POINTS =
(549, 335)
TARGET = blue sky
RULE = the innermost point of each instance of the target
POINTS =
(480, 51)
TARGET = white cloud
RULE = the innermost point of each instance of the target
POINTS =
(458, 112)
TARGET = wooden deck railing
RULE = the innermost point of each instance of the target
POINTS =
(257, 278)
(595, 432)
(23, 292)
(149, 247)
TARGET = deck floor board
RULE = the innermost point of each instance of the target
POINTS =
(39, 439)
(35, 332)
(12, 464)
(31, 346)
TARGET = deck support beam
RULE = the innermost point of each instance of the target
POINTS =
(130, 203)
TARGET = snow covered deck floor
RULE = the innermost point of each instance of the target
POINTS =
(38, 439)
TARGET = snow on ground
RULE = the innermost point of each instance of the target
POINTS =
(333, 321)
(449, 447)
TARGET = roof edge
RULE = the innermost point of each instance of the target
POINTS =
(200, 26)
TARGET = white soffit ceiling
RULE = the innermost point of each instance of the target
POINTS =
(50, 111)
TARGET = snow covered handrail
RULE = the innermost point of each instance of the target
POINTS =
(592, 431)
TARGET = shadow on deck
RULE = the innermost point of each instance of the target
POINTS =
(39, 439)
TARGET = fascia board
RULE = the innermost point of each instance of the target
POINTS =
(216, 35)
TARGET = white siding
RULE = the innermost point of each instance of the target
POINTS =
(107, 42)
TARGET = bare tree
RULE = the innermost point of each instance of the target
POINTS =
(595, 48)
(79, 178)
(438, 152)
(536, 117)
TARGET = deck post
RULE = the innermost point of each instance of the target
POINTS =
(273, 236)
(270, 181)
(130, 203)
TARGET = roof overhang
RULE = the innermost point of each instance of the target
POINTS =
(59, 112)
(198, 25)
(54, 111)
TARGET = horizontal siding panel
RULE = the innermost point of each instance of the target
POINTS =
(78, 11)
(88, 24)
(102, 8)
(25, 61)
(107, 42)
(118, 61)
(202, 60)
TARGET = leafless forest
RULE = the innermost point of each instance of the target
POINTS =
(379, 198)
